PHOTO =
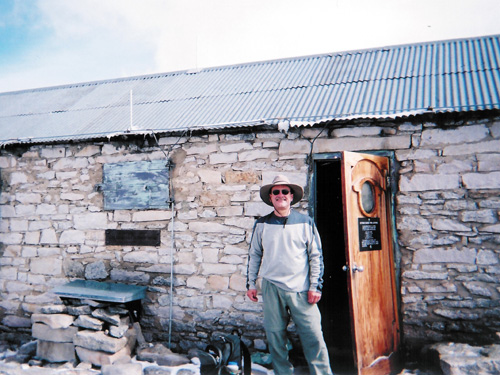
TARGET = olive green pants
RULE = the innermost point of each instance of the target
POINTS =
(279, 306)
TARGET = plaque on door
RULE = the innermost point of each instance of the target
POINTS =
(369, 234)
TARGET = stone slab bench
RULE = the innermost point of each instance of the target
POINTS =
(130, 295)
(101, 291)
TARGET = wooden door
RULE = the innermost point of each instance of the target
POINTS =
(370, 264)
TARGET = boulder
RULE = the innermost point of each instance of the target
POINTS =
(162, 356)
(464, 359)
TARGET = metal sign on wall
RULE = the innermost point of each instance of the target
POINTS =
(135, 185)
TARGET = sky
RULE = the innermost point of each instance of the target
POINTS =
(57, 42)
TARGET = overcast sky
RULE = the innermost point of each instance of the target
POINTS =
(55, 42)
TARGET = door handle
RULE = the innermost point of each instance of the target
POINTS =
(356, 268)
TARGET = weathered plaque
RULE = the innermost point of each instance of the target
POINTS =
(133, 237)
(136, 185)
(369, 234)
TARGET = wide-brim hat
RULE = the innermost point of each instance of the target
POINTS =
(298, 191)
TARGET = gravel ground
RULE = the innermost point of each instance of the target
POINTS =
(18, 360)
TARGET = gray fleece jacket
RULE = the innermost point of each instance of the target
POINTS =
(287, 252)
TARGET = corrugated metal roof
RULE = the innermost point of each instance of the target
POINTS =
(443, 76)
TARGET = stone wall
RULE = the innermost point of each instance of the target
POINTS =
(447, 212)
(448, 223)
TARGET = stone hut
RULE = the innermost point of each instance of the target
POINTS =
(182, 155)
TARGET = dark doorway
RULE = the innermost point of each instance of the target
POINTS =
(334, 304)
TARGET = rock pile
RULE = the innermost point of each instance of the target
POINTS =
(86, 331)
(464, 359)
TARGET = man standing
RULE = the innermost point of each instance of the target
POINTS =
(286, 248)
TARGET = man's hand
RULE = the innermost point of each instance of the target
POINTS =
(313, 297)
(252, 294)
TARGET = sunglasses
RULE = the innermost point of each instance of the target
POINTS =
(283, 191)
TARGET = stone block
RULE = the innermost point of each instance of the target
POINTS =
(94, 220)
(54, 321)
(223, 158)
(208, 227)
(29, 198)
(490, 228)
(215, 199)
(361, 131)
(460, 135)
(218, 269)
(156, 215)
(203, 149)
(86, 321)
(237, 177)
(257, 154)
(8, 211)
(129, 276)
(449, 225)
(427, 182)
(53, 309)
(230, 211)
(160, 370)
(100, 358)
(420, 275)
(12, 238)
(44, 332)
(482, 180)
(456, 166)
(71, 236)
(96, 270)
(413, 224)
(478, 289)
(289, 147)
(46, 209)
(73, 268)
(122, 369)
(141, 257)
(14, 321)
(79, 310)
(161, 355)
(89, 151)
(235, 147)
(120, 330)
(238, 282)
(8, 273)
(241, 196)
(57, 152)
(472, 148)
(196, 282)
(99, 341)
(71, 164)
(116, 309)
(456, 315)
(208, 176)
(488, 162)
(104, 315)
(415, 154)
(467, 256)
(56, 351)
(216, 282)
(364, 143)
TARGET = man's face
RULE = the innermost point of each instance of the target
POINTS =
(280, 200)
